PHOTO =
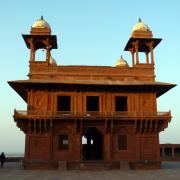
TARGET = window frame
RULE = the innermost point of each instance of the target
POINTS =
(63, 95)
(121, 95)
(122, 147)
(61, 145)
(97, 105)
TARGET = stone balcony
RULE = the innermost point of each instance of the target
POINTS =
(121, 115)
(42, 121)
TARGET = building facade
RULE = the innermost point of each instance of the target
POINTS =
(90, 117)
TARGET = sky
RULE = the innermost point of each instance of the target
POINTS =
(89, 32)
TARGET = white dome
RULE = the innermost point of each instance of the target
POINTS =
(121, 63)
(140, 26)
(52, 61)
(41, 23)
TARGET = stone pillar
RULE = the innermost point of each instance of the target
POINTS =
(135, 44)
(48, 54)
(112, 140)
(32, 50)
(32, 54)
(151, 51)
(132, 53)
(107, 146)
(147, 58)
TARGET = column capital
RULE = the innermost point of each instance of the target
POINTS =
(132, 50)
(150, 44)
(135, 43)
(132, 53)
(31, 42)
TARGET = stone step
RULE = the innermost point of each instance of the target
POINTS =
(124, 165)
(94, 166)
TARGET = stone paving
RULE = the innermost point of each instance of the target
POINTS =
(169, 171)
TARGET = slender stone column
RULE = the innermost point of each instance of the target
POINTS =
(48, 50)
(32, 54)
(132, 53)
(135, 44)
(32, 50)
(48, 54)
(147, 58)
(152, 54)
(150, 45)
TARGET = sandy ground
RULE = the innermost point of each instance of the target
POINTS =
(169, 171)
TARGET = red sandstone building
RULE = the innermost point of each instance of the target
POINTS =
(90, 117)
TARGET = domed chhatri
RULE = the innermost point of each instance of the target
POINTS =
(41, 23)
(121, 63)
(140, 29)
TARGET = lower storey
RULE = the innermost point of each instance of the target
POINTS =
(92, 147)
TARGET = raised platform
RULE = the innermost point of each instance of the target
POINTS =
(91, 165)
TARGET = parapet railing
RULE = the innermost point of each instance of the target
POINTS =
(88, 114)
(43, 67)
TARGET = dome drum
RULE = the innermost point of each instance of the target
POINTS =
(39, 31)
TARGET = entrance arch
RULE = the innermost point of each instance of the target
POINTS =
(92, 144)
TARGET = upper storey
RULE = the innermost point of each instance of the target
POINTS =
(141, 41)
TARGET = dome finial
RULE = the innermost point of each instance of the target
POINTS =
(121, 57)
(42, 18)
(139, 19)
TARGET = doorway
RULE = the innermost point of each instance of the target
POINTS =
(92, 144)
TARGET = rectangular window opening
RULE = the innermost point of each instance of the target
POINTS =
(122, 142)
(64, 103)
(92, 103)
(63, 142)
(121, 103)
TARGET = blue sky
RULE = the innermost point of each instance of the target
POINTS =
(89, 32)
